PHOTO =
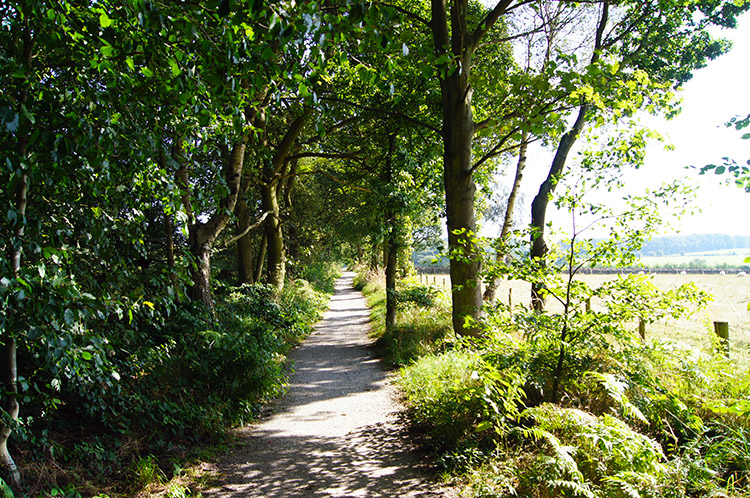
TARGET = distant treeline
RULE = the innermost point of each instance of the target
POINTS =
(683, 244)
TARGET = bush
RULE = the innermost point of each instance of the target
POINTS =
(173, 382)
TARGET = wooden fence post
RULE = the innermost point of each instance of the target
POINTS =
(588, 304)
(722, 330)
(642, 328)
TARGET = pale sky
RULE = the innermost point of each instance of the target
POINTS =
(712, 97)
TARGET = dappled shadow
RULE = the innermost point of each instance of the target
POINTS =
(370, 462)
(336, 433)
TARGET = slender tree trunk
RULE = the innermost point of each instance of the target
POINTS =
(276, 269)
(202, 235)
(244, 245)
(391, 265)
(261, 257)
(539, 205)
(489, 293)
(546, 189)
(8, 367)
(8, 353)
(169, 242)
(390, 244)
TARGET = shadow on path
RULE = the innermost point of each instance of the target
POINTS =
(336, 433)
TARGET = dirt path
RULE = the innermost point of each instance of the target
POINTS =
(336, 433)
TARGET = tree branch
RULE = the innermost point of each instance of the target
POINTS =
(248, 229)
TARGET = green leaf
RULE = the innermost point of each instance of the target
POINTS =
(130, 63)
(107, 50)
(105, 21)
(86, 355)
(68, 316)
(147, 72)
(27, 114)
(720, 169)
(746, 136)
(175, 68)
(483, 426)
(267, 54)
(12, 125)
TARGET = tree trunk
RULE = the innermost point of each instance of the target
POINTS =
(202, 235)
(169, 242)
(8, 367)
(261, 257)
(244, 245)
(547, 188)
(458, 132)
(8, 358)
(390, 244)
(391, 265)
(539, 205)
(489, 293)
(276, 266)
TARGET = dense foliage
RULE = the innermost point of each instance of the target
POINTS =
(174, 172)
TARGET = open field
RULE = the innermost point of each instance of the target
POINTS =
(708, 260)
(731, 294)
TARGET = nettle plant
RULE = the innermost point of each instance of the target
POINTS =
(576, 327)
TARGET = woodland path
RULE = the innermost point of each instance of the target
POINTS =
(337, 432)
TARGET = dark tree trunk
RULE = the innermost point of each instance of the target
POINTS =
(169, 242)
(276, 266)
(261, 257)
(390, 244)
(244, 244)
(391, 265)
(489, 293)
(539, 205)
(546, 189)
(202, 235)
(452, 37)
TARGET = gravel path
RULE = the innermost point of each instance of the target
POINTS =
(337, 432)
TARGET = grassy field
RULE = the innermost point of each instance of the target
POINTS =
(710, 259)
(731, 294)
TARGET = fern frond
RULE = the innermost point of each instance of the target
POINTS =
(578, 489)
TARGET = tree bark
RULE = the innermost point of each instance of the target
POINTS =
(8, 358)
(202, 235)
(541, 201)
(261, 257)
(390, 244)
(276, 265)
(458, 42)
(547, 188)
(244, 244)
(489, 293)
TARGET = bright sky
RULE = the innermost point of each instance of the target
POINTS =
(716, 93)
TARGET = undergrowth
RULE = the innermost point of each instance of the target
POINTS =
(634, 418)
(423, 324)
(180, 381)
